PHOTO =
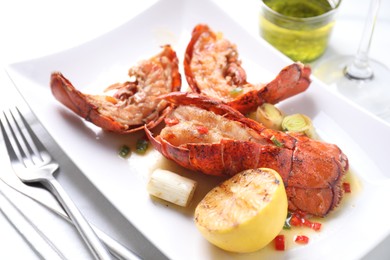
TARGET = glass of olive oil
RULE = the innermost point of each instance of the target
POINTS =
(298, 28)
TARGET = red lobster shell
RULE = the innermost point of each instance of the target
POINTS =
(204, 134)
(135, 102)
(212, 68)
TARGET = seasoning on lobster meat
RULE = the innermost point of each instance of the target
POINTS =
(213, 68)
(312, 170)
(134, 103)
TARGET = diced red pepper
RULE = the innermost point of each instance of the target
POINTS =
(171, 121)
(298, 220)
(300, 214)
(313, 225)
(347, 187)
(316, 226)
(279, 243)
(302, 239)
(306, 222)
(295, 221)
(202, 129)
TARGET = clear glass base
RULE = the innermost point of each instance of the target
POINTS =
(373, 93)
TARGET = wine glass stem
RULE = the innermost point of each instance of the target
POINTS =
(360, 68)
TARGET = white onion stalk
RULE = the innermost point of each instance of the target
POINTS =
(171, 187)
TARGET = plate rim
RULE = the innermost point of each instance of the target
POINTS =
(9, 69)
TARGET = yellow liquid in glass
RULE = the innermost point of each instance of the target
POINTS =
(302, 41)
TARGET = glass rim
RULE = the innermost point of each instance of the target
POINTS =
(305, 19)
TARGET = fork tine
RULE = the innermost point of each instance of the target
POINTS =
(17, 133)
(10, 149)
(35, 143)
(23, 139)
(20, 132)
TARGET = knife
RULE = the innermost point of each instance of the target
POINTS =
(45, 199)
(37, 241)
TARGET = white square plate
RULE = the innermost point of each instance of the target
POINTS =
(350, 232)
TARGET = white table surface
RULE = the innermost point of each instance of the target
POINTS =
(30, 29)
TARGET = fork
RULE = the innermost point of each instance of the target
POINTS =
(32, 163)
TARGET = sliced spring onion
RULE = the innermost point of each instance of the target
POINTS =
(287, 224)
(269, 115)
(141, 146)
(236, 91)
(124, 151)
(299, 123)
(276, 141)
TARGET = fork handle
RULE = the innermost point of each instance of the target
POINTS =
(87, 233)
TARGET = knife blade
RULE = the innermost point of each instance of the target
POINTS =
(36, 240)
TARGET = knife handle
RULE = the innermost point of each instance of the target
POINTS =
(115, 248)
(37, 241)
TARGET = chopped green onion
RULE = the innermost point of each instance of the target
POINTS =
(287, 224)
(276, 141)
(141, 146)
(124, 151)
(236, 91)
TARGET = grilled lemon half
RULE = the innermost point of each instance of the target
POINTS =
(245, 212)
